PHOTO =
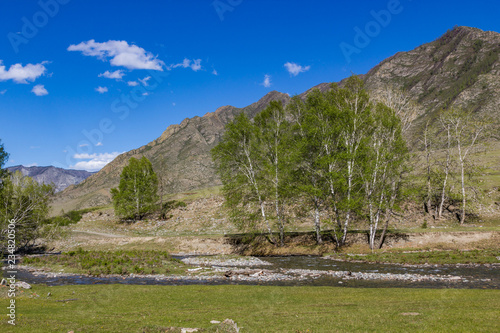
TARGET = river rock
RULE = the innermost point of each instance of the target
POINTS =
(189, 330)
(228, 326)
(22, 284)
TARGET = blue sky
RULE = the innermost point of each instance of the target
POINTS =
(74, 87)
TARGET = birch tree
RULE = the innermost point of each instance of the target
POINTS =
(446, 127)
(355, 108)
(238, 162)
(428, 168)
(311, 135)
(137, 193)
(383, 158)
(273, 134)
(466, 130)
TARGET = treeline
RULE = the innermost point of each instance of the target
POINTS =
(338, 154)
(341, 156)
(24, 207)
(449, 171)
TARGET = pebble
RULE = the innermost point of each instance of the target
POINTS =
(206, 261)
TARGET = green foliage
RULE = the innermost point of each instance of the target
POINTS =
(26, 203)
(110, 262)
(71, 217)
(170, 205)
(240, 168)
(136, 195)
(336, 153)
(3, 159)
(274, 139)
(403, 256)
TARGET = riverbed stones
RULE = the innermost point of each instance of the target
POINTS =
(221, 261)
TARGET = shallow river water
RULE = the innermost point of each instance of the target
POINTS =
(313, 271)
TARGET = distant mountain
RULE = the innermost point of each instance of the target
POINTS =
(61, 178)
(461, 68)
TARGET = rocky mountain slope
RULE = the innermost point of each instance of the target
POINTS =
(61, 178)
(461, 68)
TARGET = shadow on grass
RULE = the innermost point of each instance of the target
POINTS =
(301, 243)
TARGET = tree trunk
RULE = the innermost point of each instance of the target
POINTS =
(382, 236)
(429, 187)
(348, 214)
(317, 224)
(263, 212)
(446, 173)
(462, 217)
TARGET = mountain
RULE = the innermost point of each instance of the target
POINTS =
(181, 154)
(461, 68)
(61, 178)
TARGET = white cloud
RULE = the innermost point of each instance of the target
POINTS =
(83, 145)
(214, 72)
(194, 64)
(267, 81)
(145, 94)
(22, 74)
(39, 90)
(117, 75)
(93, 162)
(120, 54)
(295, 69)
(3, 92)
(99, 144)
(133, 83)
(101, 90)
(145, 80)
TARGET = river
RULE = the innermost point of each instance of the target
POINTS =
(303, 271)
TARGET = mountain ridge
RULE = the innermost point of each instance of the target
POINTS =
(61, 178)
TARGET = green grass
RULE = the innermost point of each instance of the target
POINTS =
(110, 262)
(122, 308)
(410, 256)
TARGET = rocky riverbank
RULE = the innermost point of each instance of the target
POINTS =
(255, 270)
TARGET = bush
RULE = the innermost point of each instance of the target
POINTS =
(168, 206)
(70, 217)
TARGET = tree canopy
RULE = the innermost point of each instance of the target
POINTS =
(3, 159)
(25, 203)
(136, 195)
(338, 154)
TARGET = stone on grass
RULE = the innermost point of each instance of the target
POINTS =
(228, 326)
(22, 284)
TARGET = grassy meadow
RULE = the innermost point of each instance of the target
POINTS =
(132, 308)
